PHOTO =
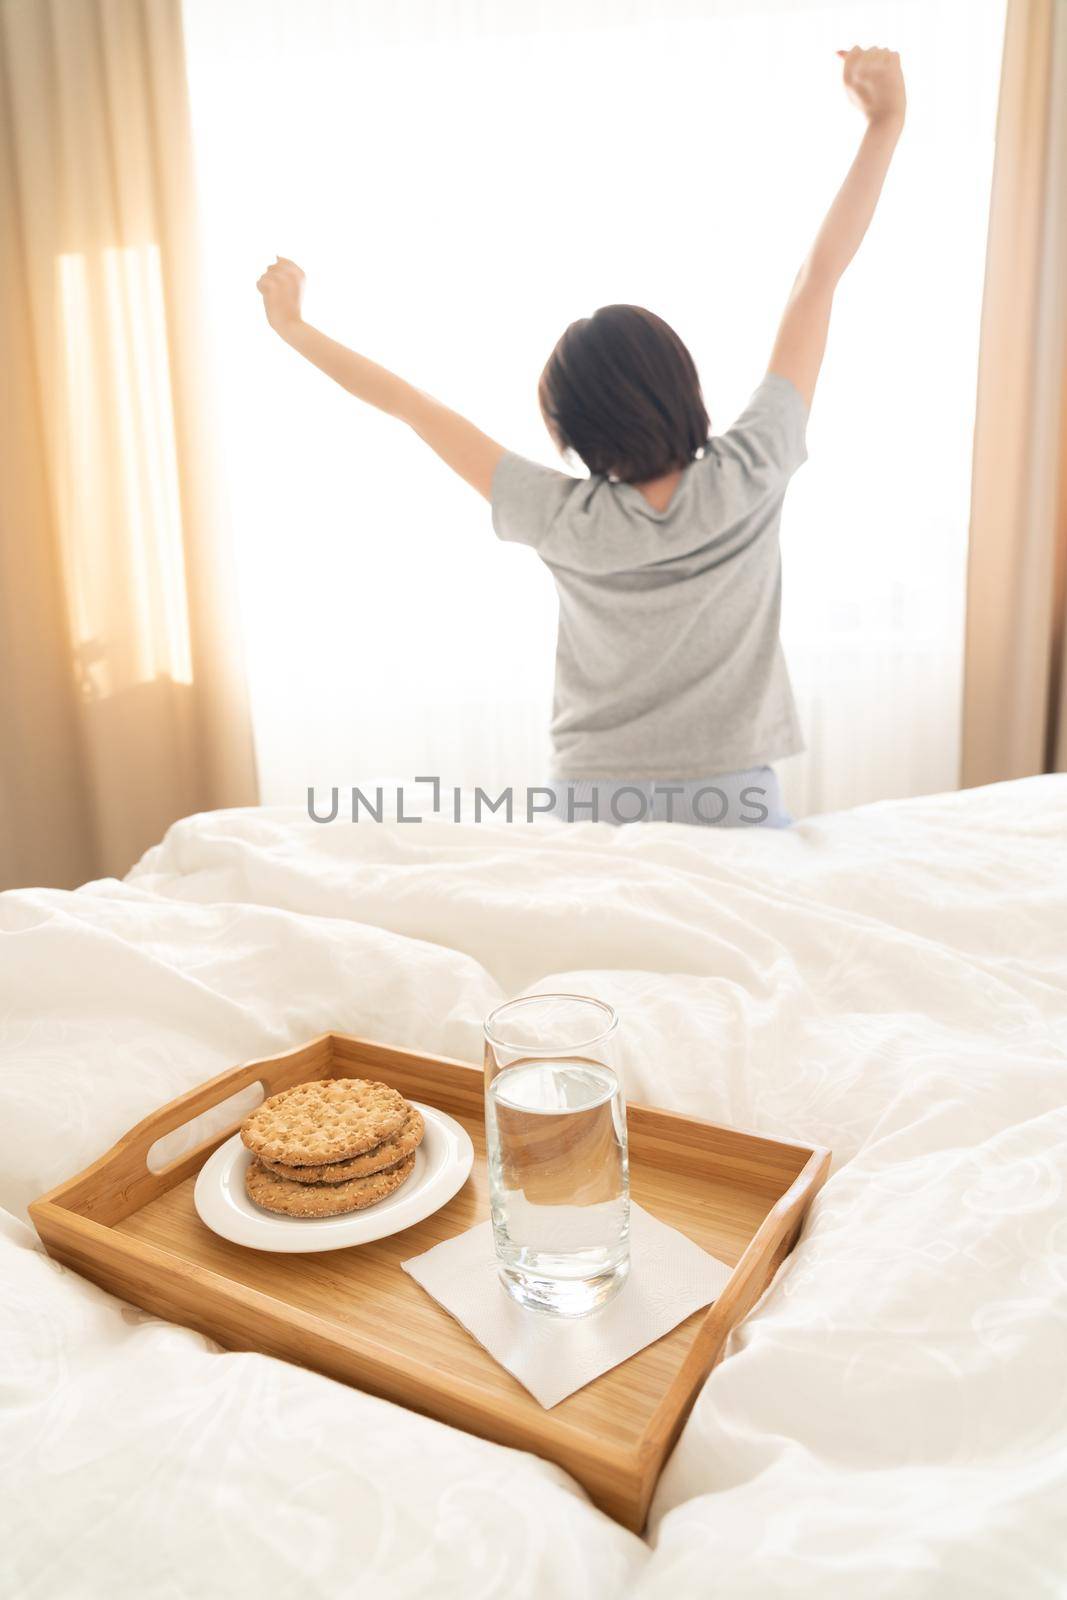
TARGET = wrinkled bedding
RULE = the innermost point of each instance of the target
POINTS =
(892, 1418)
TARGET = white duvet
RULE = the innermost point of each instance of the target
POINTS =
(892, 1418)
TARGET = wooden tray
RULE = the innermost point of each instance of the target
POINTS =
(354, 1315)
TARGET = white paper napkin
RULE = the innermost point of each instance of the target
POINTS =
(670, 1278)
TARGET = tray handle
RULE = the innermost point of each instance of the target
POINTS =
(274, 1073)
(122, 1181)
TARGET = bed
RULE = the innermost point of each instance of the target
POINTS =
(890, 1421)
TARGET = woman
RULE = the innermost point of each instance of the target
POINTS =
(672, 697)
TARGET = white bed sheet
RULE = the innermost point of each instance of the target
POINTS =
(889, 1422)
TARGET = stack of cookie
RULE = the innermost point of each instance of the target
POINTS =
(335, 1145)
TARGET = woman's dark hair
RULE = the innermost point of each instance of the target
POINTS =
(621, 390)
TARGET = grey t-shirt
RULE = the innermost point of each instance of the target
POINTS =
(668, 661)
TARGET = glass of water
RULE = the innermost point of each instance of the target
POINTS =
(559, 1185)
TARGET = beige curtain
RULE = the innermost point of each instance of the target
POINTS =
(122, 696)
(1015, 692)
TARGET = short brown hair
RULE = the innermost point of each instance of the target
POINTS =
(621, 390)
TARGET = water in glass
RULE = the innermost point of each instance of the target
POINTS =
(559, 1191)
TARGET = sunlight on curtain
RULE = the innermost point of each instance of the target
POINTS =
(459, 182)
(121, 538)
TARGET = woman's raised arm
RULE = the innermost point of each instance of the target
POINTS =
(462, 446)
(874, 81)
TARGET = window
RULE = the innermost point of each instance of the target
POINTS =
(459, 182)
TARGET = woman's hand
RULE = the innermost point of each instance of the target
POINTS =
(875, 83)
(282, 288)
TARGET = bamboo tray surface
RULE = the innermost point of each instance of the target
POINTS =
(354, 1315)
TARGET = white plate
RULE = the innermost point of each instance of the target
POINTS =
(442, 1165)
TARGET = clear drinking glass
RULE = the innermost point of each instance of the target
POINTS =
(559, 1185)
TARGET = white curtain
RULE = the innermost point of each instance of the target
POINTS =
(459, 181)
